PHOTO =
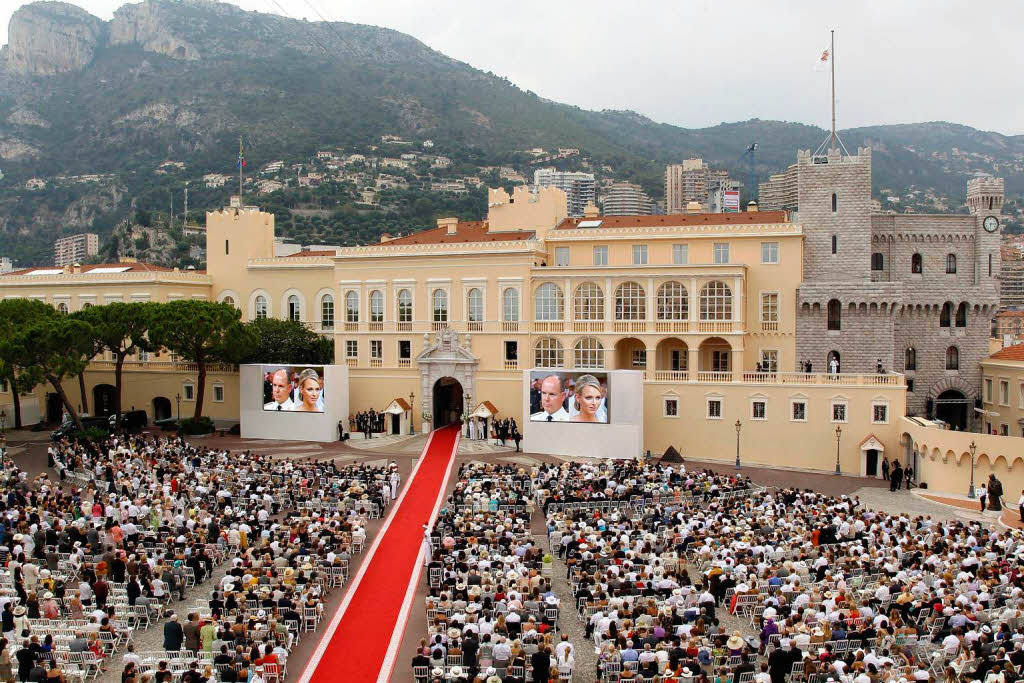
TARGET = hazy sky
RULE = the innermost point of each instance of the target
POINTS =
(696, 63)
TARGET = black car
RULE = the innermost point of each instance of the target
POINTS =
(131, 421)
(68, 427)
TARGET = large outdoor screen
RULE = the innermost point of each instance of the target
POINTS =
(558, 396)
(293, 388)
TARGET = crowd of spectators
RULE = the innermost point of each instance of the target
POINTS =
(110, 545)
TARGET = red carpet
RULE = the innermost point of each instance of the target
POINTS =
(356, 643)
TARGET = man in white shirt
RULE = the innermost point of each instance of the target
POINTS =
(279, 389)
(552, 396)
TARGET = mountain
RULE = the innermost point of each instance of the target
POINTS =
(182, 79)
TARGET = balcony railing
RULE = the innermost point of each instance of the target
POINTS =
(376, 327)
(672, 326)
(404, 362)
(475, 326)
(510, 326)
(404, 327)
(588, 326)
(438, 326)
(714, 326)
(769, 326)
(511, 364)
(351, 327)
(160, 366)
(629, 326)
(376, 363)
(548, 326)
(792, 378)
(352, 362)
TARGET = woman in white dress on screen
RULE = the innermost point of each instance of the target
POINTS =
(309, 392)
(588, 400)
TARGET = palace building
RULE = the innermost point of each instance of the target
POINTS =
(718, 312)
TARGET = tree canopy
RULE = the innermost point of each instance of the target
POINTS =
(287, 341)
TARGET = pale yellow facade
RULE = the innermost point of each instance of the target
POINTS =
(1002, 392)
(695, 302)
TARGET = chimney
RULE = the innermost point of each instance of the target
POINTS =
(591, 211)
(693, 207)
(451, 225)
(751, 206)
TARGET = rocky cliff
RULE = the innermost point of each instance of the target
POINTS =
(48, 38)
(147, 25)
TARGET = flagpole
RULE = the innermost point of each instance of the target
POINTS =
(242, 205)
(832, 60)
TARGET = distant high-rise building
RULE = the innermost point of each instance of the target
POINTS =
(690, 181)
(626, 199)
(723, 195)
(5, 265)
(779, 191)
(1011, 281)
(580, 188)
(75, 248)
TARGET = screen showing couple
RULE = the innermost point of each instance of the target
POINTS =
(569, 397)
(293, 388)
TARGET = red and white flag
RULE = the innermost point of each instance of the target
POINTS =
(826, 55)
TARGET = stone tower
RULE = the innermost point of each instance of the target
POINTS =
(985, 202)
(842, 313)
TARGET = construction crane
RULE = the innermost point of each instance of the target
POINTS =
(751, 153)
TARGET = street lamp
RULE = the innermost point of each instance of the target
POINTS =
(739, 426)
(412, 413)
(974, 449)
(177, 398)
(839, 433)
(468, 406)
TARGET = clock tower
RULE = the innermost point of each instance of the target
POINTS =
(985, 202)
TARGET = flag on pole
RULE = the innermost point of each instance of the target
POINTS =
(822, 62)
(825, 54)
(241, 160)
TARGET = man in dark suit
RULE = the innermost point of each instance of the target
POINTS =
(173, 635)
(541, 663)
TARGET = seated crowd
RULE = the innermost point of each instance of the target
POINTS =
(110, 545)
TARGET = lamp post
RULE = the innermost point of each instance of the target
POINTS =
(739, 426)
(974, 449)
(839, 433)
(469, 404)
(3, 421)
(177, 397)
(412, 425)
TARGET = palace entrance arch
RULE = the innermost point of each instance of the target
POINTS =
(447, 374)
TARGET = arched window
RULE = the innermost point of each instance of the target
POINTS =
(877, 261)
(715, 301)
(961, 314)
(835, 315)
(549, 302)
(351, 307)
(261, 307)
(950, 263)
(946, 314)
(673, 302)
(62, 308)
(404, 306)
(376, 306)
(588, 353)
(630, 302)
(916, 264)
(510, 305)
(439, 301)
(588, 302)
(294, 308)
(952, 358)
(910, 359)
(835, 202)
(475, 306)
(548, 353)
(229, 300)
(327, 312)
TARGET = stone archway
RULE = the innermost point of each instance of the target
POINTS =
(448, 401)
(445, 357)
(954, 398)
